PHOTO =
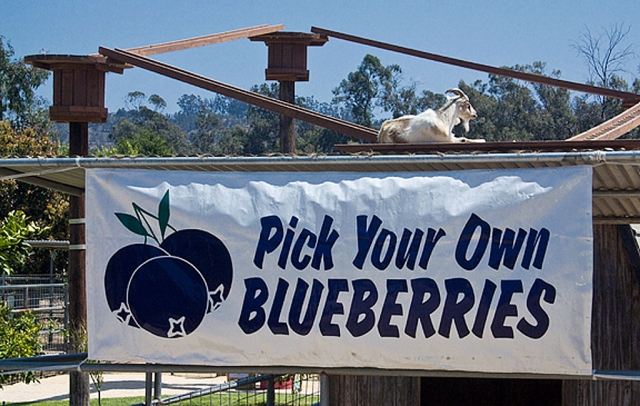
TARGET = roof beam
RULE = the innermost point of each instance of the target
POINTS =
(528, 77)
(256, 99)
(36, 180)
(205, 40)
(614, 128)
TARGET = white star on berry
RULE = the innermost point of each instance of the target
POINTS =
(176, 327)
(215, 297)
(123, 313)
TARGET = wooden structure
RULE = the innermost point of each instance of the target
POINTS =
(616, 317)
(78, 98)
(287, 60)
(78, 86)
(287, 63)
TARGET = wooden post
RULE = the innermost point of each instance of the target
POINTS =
(288, 64)
(78, 381)
(287, 124)
(78, 98)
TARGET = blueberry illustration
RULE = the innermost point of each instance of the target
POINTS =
(120, 268)
(209, 255)
(168, 297)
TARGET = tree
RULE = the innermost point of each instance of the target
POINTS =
(134, 100)
(511, 110)
(606, 56)
(371, 85)
(262, 136)
(19, 338)
(142, 127)
(158, 102)
(18, 102)
(143, 142)
(315, 139)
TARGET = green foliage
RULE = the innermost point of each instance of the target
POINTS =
(510, 110)
(143, 142)
(42, 205)
(371, 85)
(148, 132)
(18, 102)
(158, 102)
(263, 136)
(19, 338)
(14, 230)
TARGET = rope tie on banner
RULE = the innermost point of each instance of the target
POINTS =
(42, 172)
(600, 157)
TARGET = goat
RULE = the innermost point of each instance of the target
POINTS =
(430, 125)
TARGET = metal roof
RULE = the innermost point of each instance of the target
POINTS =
(616, 174)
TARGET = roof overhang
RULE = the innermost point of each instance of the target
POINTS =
(616, 174)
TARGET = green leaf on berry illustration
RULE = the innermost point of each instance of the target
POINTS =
(140, 223)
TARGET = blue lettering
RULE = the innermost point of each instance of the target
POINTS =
(391, 308)
(365, 238)
(462, 247)
(505, 247)
(454, 309)
(332, 307)
(421, 309)
(252, 315)
(326, 240)
(483, 308)
(361, 317)
(274, 323)
(270, 237)
(505, 308)
(304, 327)
(533, 305)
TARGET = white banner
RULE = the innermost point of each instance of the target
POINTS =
(487, 271)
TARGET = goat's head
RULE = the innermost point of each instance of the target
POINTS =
(466, 112)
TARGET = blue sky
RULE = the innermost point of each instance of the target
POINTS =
(500, 33)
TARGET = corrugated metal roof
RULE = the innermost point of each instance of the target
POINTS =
(616, 174)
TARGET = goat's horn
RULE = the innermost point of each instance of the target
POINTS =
(457, 92)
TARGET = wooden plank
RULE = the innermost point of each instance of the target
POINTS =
(613, 128)
(277, 106)
(615, 333)
(205, 40)
(80, 87)
(502, 146)
(483, 68)
(356, 390)
(66, 88)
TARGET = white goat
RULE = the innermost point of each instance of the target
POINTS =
(430, 125)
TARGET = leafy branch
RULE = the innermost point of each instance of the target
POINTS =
(14, 230)
(140, 225)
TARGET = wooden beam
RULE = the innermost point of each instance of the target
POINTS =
(489, 147)
(613, 128)
(256, 99)
(205, 40)
(528, 77)
(36, 180)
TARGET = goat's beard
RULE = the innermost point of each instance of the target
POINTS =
(465, 125)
